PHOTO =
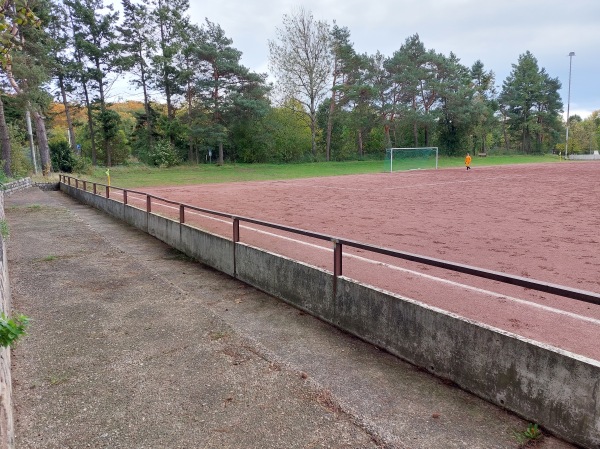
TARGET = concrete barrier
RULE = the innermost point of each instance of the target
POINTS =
(554, 388)
(7, 429)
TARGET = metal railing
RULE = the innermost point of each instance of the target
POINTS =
(339, 243)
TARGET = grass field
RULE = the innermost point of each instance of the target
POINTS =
(144, 176)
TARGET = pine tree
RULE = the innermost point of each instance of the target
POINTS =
(227, 90)
(531, 103)
(97, 47)
(136, 50)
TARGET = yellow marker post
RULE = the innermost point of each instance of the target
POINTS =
(108, 176)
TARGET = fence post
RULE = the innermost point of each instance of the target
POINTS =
(337, 264)
(181, 213)
(107, 192)
(95, 190)
(124, 196)
(76, 183)
(236, 238)
(85, 185)
(69, 178)
(148, 203)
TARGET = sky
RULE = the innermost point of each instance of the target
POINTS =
(496, 32)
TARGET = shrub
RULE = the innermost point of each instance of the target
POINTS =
(163, 154)
(61, 156)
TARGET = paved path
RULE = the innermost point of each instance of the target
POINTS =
(133, 345)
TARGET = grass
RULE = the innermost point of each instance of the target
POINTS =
(4, 230)
(144, 176)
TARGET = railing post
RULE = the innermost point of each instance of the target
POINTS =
(107, 192)
(124, 196)
(76, 183)
(85, 185)
(181, 213)
(95, 190)
(337, 264)
(69, 178)
(236, 238)
(148, 203)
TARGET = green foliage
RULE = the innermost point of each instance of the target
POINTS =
(163, 154)
(416, 97)
(4, 230)
(12, 329)
(83, 165)
(529, 436)
(531, 103)
(290, 134)
(20, 163)
(61, 156)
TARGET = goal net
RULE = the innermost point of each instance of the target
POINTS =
(422, 158)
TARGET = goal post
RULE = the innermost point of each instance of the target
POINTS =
(421, 158)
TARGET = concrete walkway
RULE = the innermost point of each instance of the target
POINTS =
(133, 345)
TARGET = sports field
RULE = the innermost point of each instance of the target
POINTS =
(540, 221)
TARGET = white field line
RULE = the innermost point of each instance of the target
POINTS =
(411, 186)
(405, 270)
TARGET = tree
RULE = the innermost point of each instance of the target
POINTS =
(170, 21)
(225, 89)
(290, 134)
(413, 71)
(5, 141)
(583, 134)
(136, 50)
(301, 60)
(532, 103)
(484, 104)
(345, 62)
(23, 59)
(97, 46)
(457, 114)
(64, 66)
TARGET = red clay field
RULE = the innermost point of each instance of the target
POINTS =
(540, 221)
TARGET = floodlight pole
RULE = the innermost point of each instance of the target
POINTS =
(571, 54)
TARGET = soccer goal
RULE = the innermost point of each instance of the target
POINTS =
(422, 158)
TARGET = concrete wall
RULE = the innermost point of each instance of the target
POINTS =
(7, 430)
(13, 186)
(554, 388)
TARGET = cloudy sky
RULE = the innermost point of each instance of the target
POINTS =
(494, 31)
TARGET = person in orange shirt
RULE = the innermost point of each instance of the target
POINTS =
(468, 161)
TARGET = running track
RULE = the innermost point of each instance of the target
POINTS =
(540, 221)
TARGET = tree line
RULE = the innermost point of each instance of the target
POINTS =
(327, 101)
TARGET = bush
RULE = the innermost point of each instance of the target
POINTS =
(20, 164)
(163, 154)
(83, 166)
(61, 156)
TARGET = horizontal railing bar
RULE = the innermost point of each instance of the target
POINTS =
(581, 295)
(286, 228)
(208, 211)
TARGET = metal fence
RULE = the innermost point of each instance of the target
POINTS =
(338, 243)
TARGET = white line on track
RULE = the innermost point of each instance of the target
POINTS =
(405, 270)
(411, 186)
